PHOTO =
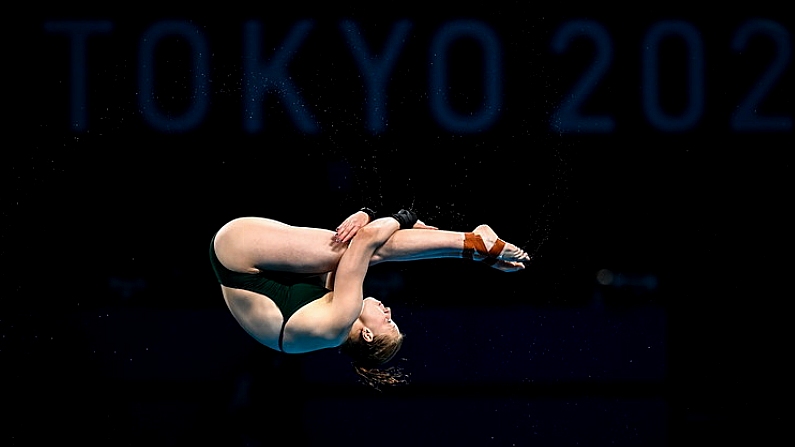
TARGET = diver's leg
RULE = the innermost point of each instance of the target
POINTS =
(416, 244)
(251, 243)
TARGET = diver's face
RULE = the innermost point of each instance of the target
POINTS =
(377, 317)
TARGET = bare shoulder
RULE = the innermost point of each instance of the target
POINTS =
(314, 327)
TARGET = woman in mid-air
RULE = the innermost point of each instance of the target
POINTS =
(299, 289)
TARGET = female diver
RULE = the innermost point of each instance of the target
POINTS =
(300, 289)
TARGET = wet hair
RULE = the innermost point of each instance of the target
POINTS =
(369, 356)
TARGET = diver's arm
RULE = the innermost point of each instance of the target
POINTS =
(346, 301)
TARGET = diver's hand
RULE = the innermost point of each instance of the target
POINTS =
(350, 226)
(423, 226)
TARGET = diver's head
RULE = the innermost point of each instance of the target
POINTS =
(373, 340)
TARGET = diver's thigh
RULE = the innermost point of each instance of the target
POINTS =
(249, 244)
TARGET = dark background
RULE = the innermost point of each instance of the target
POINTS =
(652, 313)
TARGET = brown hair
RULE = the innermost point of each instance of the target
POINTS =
(368, 356)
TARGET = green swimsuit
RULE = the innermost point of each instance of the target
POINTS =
(290, 291)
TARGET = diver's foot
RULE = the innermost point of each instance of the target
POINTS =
(483, 245)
